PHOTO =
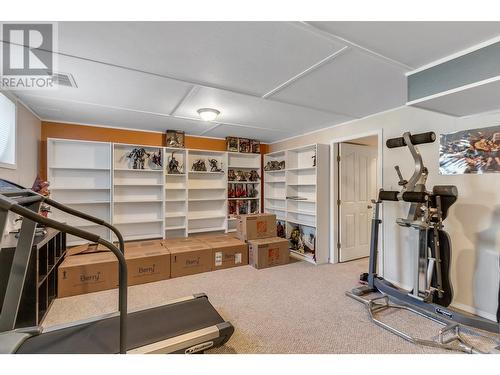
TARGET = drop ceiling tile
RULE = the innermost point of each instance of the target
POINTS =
(413, 43)
(257, 112)
(354, 83)
(106, 85)
(81, 113)
(252, 57)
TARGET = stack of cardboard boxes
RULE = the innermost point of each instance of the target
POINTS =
(264, 248)
(92, 268)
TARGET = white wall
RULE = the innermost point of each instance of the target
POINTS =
(28, 144)
(473, 222)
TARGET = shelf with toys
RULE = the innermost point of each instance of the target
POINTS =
(295, 179)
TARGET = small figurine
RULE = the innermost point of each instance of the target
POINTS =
(175, 138)
(281, 165)
(156, 158)
(254, 176)
(254, 207)
(138, 156)
(241, 176)
(274, 165)
(231, 193)
(214, 165)
(231, 176)
(244, 145)
(232, 208)
(173, 165)
(314, 160)
(242, 207)
(240, 191)
(280, 230)
(296, 240)
(252, 192)
(255, 146)
(199, 166)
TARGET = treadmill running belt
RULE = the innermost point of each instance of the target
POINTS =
(144, 327)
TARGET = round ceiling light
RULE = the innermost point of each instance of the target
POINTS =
(208, 114)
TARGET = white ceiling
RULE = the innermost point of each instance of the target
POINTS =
(270, 80)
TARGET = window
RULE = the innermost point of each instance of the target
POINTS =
(7, 132)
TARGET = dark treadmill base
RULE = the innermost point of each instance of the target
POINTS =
(144, 327)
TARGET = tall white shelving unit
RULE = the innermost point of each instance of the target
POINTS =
(98, 178)
(292, 194)
(138, 195)
(176, 193)
(242, 205)
(207, 193)
(80, 177)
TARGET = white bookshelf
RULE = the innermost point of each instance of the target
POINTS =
(98, 178)
(206, 193)
(250, 201)
(176, 193)
(138, 197)
(292, 195)
(80, 176)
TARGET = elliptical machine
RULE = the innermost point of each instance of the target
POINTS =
(432, 291)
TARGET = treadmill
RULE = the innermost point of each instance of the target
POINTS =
(187, 325)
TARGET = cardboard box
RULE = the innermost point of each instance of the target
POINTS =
(147, 264)
(227, 252)
(87, 248)
(189, 259)
(255, 226)
(144, 243)
(87, 273)
(268, 252)
(179, 241)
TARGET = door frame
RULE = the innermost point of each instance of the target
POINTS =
(334, 181)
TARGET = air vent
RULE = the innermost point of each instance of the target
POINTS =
(64, 79)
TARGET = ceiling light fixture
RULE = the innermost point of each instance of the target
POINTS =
(208, 114)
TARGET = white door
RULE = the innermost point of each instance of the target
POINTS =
(358, 186)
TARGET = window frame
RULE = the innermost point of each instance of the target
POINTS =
(14, 165)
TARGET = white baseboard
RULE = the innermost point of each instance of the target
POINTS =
(474, 311)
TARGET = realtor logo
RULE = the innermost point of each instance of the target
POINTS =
(27, 55)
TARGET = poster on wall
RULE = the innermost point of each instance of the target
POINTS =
(474, 151)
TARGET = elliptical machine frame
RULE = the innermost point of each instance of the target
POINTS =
(430, 282)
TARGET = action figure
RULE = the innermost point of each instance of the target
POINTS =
(199, 166)
(139, 156)
(280, 230)
(173, 165)
(254, 176)
(296, 240)
(156, 158)
(214, 165)
(241, 176)
(231, 176)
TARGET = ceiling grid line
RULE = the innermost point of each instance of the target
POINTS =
(189, 93)
(305, 72)
(321, 33)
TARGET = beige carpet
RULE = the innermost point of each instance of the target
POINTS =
(297, 308)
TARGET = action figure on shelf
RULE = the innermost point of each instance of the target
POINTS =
(214, 165)
(314, 160)
(254, 176)
(138, 156)
(173, 165)
(252, 191)
(242, 207)
(280, 230)
(240, 191)
(274, 165)
(254, 207)
(241, 176)
(232, 208)
(199, 166)
(156, 158)
(296, 240)
(230, 191)
(231, 176)
(309, 242)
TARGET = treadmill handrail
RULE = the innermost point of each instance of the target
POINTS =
(122, 285)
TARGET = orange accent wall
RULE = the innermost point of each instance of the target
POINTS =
(104, 134)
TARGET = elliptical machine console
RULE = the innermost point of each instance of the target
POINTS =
(432, 291)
